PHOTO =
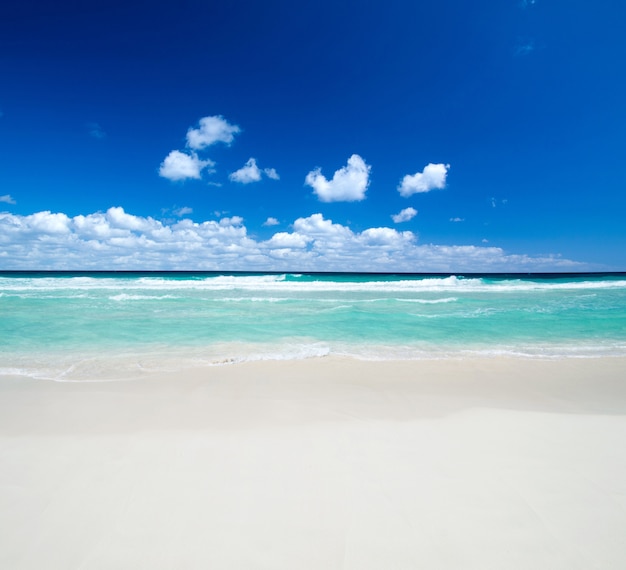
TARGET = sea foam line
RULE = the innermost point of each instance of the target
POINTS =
(125, 365)
(278, 283)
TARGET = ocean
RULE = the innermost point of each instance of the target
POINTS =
(93, 326)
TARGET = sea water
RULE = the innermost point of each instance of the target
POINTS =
(76, 326)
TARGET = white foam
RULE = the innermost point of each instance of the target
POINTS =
(429, 301)
(289, 352)
(278, 283)
(128, 297)
(124, 365)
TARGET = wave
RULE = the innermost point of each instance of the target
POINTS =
(127, 297)
(280, 283)
(429, 301)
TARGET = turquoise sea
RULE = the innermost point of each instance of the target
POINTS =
(76, 326)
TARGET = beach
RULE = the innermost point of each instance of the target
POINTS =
(315, 463)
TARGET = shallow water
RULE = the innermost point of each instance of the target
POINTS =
(76, 326)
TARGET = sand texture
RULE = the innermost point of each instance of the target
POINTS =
(319, 464)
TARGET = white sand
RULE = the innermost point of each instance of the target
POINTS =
(319, 464)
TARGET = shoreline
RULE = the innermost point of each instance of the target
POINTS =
(116, 366)
(585, 385)
(322, 463)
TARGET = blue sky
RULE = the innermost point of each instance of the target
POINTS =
(378, 135)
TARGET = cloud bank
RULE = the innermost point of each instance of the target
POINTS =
(432, 177)
(348, 184)
(118, 240)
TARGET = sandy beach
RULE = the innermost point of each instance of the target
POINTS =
(319, 464)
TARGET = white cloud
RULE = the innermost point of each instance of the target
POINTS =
(96, 227)
(432, 177)
(387, 237)
(181, 166)
(183, 211)
(118, 218)
(48, 223)
(7, 199)
(317, 227)
(250, 172)
(116, 239)
(349, 183)
(456, 220)
(212, 130)
(271, 222)
(404, 215)
(283, 240)
(232, 221)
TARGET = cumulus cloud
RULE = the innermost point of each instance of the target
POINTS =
(212, 130)
(456, 220)
(432, 177)
(387, 237)
(7, 199)
(404, 215)
(250, 172)
(116, 239)
(318, 227)
(119, 219)
(288, 240)
(48, 223)
(232, 221)
(181, 166)
(348, 184)
(271, 222)
(271, 173)
(183, 211)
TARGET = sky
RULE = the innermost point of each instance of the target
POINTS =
(448, 136)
